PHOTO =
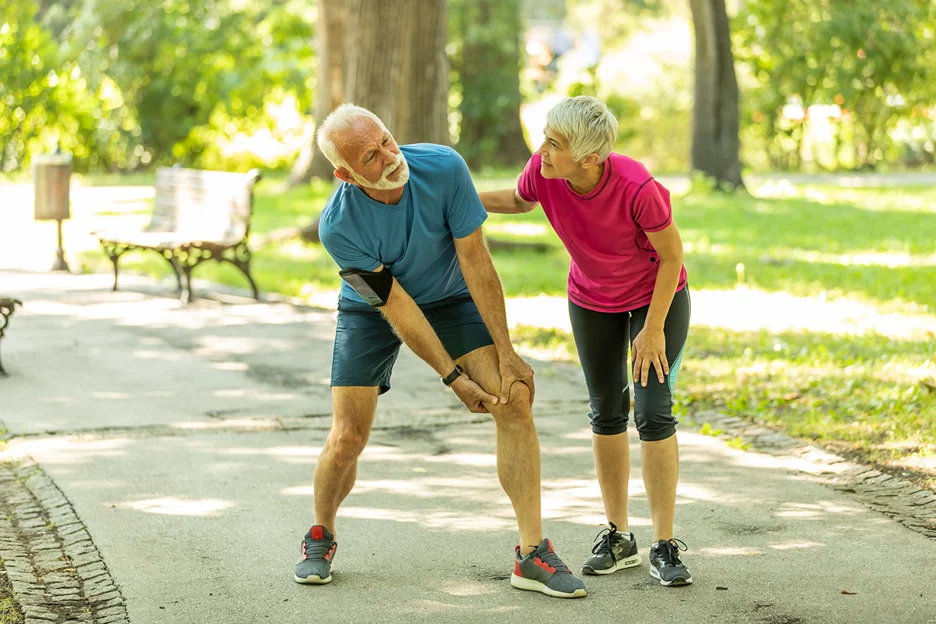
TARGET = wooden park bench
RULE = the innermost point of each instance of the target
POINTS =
(197, 216)
(7, 307)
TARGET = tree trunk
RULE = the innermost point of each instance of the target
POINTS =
(376, 50)
(329, 88)
(489, 72)
(424, 85)
(403, 79)
(715, 142)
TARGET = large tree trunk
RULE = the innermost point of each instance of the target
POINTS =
(329, 88)
(395, 66)
(424, 85)
(715, 143)
(376, 52)
(489, 72)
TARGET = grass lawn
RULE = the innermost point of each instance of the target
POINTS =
(865, 395)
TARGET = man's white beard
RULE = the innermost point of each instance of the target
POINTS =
(383, 184)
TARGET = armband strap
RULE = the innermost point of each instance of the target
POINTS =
(373, 286)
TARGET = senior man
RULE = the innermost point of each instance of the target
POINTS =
(405, 228)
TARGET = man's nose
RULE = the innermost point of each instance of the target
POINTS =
(389, 156)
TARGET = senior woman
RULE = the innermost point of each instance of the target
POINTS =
(627, 287)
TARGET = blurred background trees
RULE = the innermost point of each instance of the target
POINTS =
(132, 84)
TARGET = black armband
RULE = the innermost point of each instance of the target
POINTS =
(373, 286)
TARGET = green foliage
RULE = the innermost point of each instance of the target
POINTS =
(43, 100)
(485, 53)
(877, 61)
(128, 84)
(706, 429)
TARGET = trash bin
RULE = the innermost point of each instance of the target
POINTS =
(52, 179)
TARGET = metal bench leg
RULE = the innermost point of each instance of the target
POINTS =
(6, 311)
(114, 252)
(176, 269)
(186, 284)
(241, 259)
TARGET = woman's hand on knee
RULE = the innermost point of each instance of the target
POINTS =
(650, 348)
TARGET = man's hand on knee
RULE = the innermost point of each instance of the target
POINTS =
(513, 369)
(472, 395)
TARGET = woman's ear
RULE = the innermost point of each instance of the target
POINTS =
(592, 160)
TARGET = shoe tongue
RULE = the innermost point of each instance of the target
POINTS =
(318, 532)
(544, 548)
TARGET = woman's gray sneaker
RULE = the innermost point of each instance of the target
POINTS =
(612, 551)
(665, 564)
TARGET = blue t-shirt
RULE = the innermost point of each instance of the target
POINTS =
(413, 239)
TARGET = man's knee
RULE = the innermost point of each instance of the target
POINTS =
(346, 445)
(517, 411)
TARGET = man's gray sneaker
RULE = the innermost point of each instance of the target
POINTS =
(665, 564)
(318, 550)
(543, 571)
(612, 551)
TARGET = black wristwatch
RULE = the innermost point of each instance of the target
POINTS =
(451, 377)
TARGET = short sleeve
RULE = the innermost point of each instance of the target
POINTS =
(345, 253)
(526, 185)
(464, 213)
(652, 210)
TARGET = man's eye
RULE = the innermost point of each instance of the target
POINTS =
(385, 141)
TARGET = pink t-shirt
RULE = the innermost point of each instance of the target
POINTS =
(614, 266)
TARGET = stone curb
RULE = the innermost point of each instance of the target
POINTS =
(55, 569)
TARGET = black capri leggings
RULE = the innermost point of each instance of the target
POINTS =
(602, 340)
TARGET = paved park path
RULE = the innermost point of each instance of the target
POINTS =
(159, 468)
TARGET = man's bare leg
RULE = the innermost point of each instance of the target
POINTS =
(336, 471)
(518, 452)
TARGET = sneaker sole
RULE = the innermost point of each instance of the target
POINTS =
(622, 564)
(313, 580)
(677, 582)
(530, 585)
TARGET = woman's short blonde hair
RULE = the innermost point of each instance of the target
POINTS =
(587, 124)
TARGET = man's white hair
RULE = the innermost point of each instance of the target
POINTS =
(340, 120)
(587, 124)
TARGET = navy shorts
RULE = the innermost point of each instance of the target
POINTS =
(366, 347)
(602, 340)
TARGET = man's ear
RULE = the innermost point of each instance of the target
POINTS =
(342, 174)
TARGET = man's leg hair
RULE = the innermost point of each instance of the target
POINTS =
(336, 470)
(518, 452)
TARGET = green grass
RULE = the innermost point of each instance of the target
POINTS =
(836, 242)
(867, 396)
(859, 395)
(833, 241)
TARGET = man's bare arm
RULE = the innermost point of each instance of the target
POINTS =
(410, 324)
(485, 288)
(507, 201)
